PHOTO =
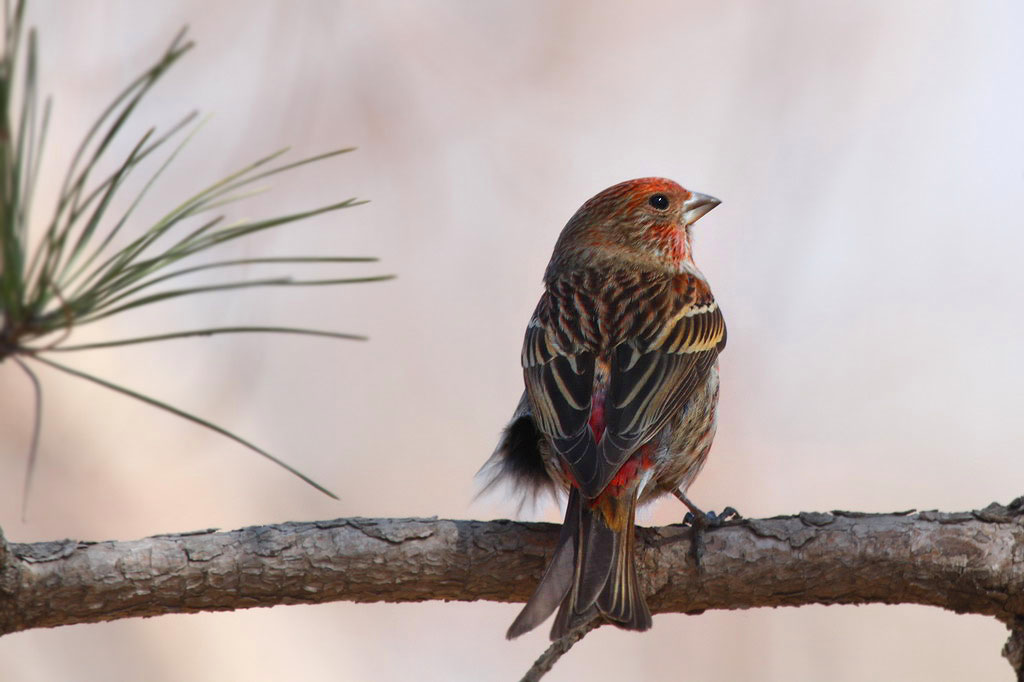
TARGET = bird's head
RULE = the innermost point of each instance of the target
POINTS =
(637, 224)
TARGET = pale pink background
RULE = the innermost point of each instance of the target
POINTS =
(867, 255)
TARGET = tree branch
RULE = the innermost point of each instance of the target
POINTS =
(968, 562)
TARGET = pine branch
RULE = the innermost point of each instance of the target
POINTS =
(968, 562)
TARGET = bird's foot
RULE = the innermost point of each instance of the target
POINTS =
(711, 519)
(700, 521)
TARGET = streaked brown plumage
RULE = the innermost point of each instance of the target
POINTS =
(620, 362)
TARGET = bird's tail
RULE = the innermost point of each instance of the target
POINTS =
(593, 572)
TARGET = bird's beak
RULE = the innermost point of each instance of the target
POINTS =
(696, 206)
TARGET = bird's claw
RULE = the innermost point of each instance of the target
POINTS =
(727, 513)
(711, 519)
(699, 521)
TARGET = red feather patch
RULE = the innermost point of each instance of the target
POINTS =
(596, 420)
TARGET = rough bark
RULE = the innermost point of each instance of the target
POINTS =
(968, 562)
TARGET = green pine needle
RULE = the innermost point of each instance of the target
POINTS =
(212, 331)
(185, 415)
(75, 275)
(37, 426)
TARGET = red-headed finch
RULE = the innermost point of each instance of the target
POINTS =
(621, 368)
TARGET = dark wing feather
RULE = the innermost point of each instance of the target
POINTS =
(641, 402)
(652, 376)
(559, 387)
(652, 380)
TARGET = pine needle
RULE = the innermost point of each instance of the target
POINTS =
(76, 274)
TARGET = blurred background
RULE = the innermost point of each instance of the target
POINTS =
(866, 255)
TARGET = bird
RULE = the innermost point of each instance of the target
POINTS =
(620, 363)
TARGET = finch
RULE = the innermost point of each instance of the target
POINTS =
(620, 362)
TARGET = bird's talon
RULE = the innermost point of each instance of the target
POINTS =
(710, 519)
(714, 520)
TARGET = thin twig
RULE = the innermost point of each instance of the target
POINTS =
(558, 648)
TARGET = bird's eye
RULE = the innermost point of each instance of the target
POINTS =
(658, 201)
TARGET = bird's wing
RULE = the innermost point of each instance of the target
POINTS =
(652, 374)
(559, 382)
